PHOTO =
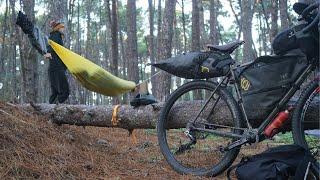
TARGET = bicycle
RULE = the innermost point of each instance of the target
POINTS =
(206, 147)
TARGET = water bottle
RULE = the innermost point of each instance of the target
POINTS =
(273, 128)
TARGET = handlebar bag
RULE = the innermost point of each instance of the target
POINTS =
(294, 38)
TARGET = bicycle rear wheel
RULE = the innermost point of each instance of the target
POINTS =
(205, 157)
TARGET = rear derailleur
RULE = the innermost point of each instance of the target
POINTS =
(189, 132)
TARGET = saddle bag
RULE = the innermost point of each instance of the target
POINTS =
(197, 65)
(264, 82)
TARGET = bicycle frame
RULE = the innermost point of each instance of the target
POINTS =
(253, 135)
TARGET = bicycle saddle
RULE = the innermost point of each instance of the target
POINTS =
(226, 48)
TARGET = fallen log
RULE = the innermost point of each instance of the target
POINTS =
(121, 116)
(128, 117)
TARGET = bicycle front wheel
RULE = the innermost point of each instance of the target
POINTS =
(305, 119)
(221, 113)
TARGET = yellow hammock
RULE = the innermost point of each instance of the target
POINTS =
(90, 75)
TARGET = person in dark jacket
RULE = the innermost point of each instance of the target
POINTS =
(57, 70)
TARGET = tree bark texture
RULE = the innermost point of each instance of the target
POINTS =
(151, 43)
(133, 71)
(29, 63)
(274, 19)
(128, 117)
(214, 34)
(184, 27)
(203, 36)
(195, 44)
(247, 11)
(196, 29)
(114, 39)
(284, 18)
(165, 48)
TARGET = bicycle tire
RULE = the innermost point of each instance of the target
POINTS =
(299, 114)
(229, 156)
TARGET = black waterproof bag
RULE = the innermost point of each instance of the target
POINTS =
(264, 82)
(293, 38)
(37, 39)
(197, 65)
(278, 163)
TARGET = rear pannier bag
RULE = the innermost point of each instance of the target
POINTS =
(197, 65)
(265, 81)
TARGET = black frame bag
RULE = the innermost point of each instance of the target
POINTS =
(264, 82)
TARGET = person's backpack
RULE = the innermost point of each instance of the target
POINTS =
(279, 163)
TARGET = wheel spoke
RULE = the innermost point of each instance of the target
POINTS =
(192, 148)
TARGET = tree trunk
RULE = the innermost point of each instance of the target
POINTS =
(127, 117)
(166, 47)
(77, 96)
(156, 86)
(28, 57)
(267, 29)
(213, 23)
(107, 50)
(195, 42)
(151, 44)
(114, 39)
(133, 70)
(283, 6)
(203, 37)
(184, 27)
(3, 49)
(247, 11)
(125, 59)
(70, 15)
(236, 17)
(15, 37)
(88, 43)
(3, 39)
(274, 19)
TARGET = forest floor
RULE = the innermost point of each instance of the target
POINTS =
(31, 147)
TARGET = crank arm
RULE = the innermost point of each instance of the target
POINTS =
(237, 143)
(244, 140)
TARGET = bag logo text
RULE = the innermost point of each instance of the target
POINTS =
(245, 84)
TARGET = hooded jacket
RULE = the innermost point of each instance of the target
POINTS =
(55, 63)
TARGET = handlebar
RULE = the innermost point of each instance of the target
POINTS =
(312, 24)
(306, 12)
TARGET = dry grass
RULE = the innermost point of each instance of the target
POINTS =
(33, 148)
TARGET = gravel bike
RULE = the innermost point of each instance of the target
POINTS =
(202, 126)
